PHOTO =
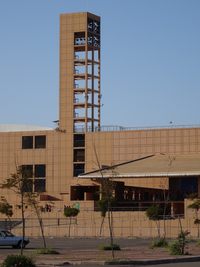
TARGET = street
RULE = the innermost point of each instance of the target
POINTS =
(189, 264)
(83, 246)
(86, 243)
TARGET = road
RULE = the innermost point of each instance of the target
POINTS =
(190, 264)
(86, 243)
(193, 264)
(63, 244)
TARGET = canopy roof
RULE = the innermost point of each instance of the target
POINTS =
(151, 166)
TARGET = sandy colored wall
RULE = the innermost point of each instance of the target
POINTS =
(125, 224)
(121, 146)
(57, 157)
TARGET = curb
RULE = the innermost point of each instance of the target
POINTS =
(123, 262)
(67, 263)
(153, 261)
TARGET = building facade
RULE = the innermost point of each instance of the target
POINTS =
(56, 158)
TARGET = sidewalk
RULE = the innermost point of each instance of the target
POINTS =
(128, 255)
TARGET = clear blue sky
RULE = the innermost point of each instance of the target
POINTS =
(150, 60)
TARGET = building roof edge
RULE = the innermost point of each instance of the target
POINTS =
(22, 128)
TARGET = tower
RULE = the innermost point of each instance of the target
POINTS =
(80, 94)
(79, 72)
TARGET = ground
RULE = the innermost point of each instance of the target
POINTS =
(78, 251)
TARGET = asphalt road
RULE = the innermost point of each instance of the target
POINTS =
(84, 243)
(190, 264)
(79, 243)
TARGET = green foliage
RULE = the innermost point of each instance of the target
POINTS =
(109, 247)
(5, 208)
(18, 261)
(159, 243)
(177, 247)
(195, 205)
(16, 182)
(103, 206)
(71, 212)
(154, 212)
(47, 251)
(32, 199)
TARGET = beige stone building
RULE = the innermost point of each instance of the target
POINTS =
(63, 163)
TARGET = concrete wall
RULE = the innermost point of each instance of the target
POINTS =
(125, 224)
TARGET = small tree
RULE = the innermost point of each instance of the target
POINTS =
(6, 209)
(106, 202)
(103, 206)
(164, 186)
(179, 245)
(153, 213)
(19, 183)
(32, 200)
(196, 206)
(70, 213)
(107, 188)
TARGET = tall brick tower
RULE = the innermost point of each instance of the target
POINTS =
(80, 94)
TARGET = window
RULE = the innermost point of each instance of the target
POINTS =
(27, 142)
(27, 185)
(40, 170)
(27, 171)
(34, 181)
(84, 193)
(40, 141)
(40, 185)
(79, 155)
(79, 38)
(79, 169)
(79, 140)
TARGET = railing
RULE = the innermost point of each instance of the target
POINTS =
(111, 128)
(174, 209)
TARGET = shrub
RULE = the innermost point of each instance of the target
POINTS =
(18, 261)
(47, 251)
(71, 212)
(109, 247)
(154, 212)
(159, 243)
(175, 248)
(178, 246)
